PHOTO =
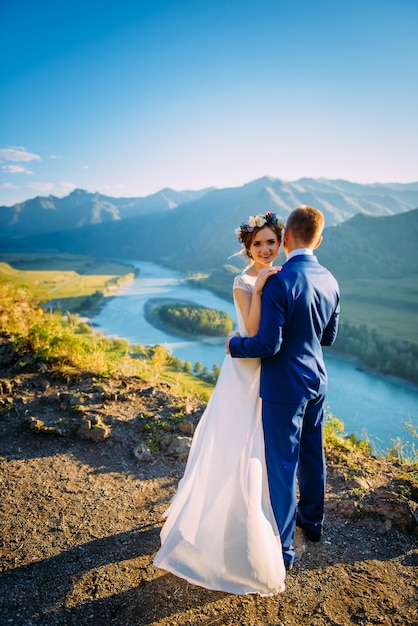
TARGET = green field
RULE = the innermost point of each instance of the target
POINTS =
(388, 306)
(66, 281)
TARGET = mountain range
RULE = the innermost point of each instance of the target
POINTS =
(80, 208)
(337, 199)
(194, 230)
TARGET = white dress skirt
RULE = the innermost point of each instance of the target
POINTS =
(220, 532)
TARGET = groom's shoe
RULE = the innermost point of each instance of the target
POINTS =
(312, 535)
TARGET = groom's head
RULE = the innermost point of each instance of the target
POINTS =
(303, 229)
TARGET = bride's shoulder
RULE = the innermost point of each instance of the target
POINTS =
(244, 281)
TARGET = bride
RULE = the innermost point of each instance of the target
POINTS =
(220, 532)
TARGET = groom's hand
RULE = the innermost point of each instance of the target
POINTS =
(228, 340)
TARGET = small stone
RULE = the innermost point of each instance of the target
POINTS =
(143, 453)
(180, 447)
(186, 427)
(99, 433)
(5, 387)
(84, 432)
(35, 424)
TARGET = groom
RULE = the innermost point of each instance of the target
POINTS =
(300, 312)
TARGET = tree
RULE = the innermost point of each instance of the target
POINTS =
(216, 370)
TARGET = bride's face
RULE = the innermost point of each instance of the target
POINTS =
(264, 247)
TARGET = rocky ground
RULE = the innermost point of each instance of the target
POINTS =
(81, 504)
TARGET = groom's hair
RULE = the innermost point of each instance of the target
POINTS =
(306, 224)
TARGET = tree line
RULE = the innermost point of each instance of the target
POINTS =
(382, 354)
(195, 320)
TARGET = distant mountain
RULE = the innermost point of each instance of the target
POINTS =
(372, 247)
(198, 234)
(80, 208)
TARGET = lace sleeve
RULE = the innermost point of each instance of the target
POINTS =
(241, 283)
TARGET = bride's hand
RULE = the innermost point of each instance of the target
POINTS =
(263, 275)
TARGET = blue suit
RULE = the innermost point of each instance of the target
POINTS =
(300, 313)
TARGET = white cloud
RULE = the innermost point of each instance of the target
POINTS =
(8, 186)
(55, 156)
(66, 187)
(15, 169)
(44, 188)
(18, 154)
(105, 188)
(86, 167)
(62, 189)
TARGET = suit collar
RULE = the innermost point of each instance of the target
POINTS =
(303, 257)
(299, 251)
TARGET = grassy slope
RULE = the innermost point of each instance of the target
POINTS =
(67, 279)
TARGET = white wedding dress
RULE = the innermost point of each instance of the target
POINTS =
(220, 531)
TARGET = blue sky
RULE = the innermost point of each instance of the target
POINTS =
(127, 98)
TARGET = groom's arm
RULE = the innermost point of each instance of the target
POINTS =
(269, 337)
(330, 332)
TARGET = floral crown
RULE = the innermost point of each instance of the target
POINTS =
(257, 221)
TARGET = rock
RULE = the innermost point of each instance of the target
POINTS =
(393, 509)
(359, 482)
(347, 508)
(165, 440)
(143, 453)
(35, 424)
(39, 426)
(69, 399)
(6, 387)
(186, 427)
(84, 432)
(99, 433)
(96, 420)
(180, 447)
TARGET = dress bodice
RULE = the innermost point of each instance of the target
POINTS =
(246, 283)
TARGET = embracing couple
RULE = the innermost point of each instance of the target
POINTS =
(231, 524)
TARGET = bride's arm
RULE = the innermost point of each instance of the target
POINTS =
(250, 308)
(250, 304)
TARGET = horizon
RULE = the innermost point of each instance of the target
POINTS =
(131, 98)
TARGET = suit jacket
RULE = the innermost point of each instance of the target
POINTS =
(300, 313)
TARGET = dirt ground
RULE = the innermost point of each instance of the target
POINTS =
(80, 520)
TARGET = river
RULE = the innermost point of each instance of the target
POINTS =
(367, 404)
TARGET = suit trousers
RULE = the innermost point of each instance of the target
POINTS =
(294, 451)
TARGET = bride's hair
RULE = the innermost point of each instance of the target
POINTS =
(247, 231)
(248, 237)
